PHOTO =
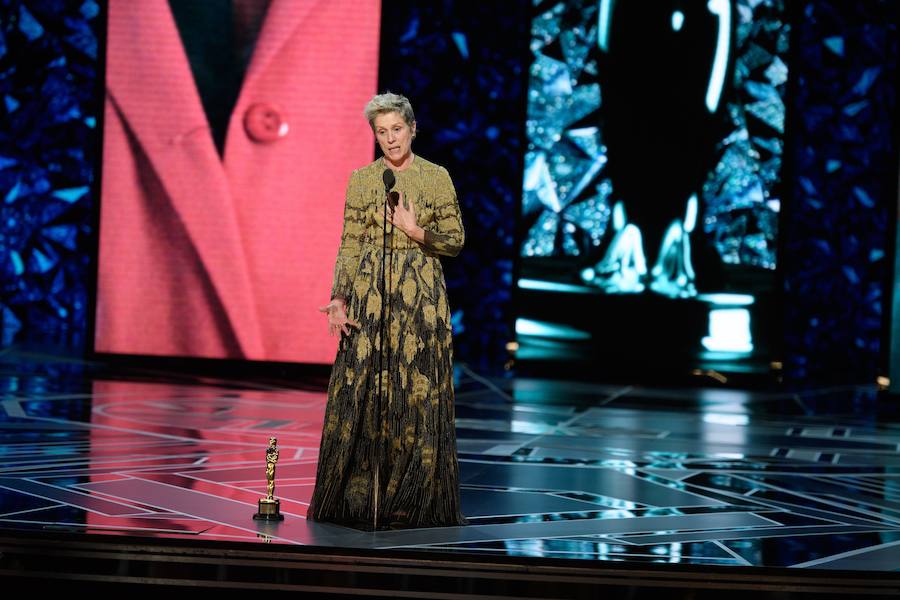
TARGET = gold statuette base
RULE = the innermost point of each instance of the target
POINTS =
(269, 510)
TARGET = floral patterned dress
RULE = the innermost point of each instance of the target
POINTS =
(393, 461)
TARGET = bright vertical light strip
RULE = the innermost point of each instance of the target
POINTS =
(722, 9)
(677, 20)
(606, 7)
(690, 213)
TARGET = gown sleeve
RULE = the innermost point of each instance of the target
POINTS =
(348, 255)
(445, 235)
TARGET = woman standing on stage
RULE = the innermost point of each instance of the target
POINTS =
(387, 457)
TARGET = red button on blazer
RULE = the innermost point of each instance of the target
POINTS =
(265, 123)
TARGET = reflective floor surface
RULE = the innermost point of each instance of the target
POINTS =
(548, 469)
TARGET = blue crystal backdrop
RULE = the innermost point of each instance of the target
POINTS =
(48, 152)
(564, 190)
(742, 194)
(843, 128)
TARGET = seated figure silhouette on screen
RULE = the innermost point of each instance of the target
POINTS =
(664, 67)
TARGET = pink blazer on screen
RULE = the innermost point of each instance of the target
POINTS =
(230, 257)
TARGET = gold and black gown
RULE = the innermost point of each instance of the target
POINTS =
(399, 458)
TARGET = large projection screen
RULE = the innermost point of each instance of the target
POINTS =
(652, 183)
(230, 132)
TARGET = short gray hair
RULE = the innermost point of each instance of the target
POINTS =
(387, 103)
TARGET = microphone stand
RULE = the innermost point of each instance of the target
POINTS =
(389, 182)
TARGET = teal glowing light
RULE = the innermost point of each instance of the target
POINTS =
(726, 419)
(551, 286)
(722, 10)
(18, 265)
(729, 331)
(690, 213)
(719, 300)
(677, 20)
(519, 426)
(549, 330)
(606, 7)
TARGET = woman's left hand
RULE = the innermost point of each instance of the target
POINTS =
(403, 216)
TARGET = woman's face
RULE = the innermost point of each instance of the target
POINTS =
(394, 137)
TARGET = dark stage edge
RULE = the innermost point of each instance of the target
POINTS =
(120, 477)
(100, 563)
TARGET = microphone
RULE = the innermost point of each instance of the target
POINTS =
(389, 181)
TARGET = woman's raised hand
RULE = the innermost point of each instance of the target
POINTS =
(337, 317)
(403, 215)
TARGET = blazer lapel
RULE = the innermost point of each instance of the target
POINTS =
(282, 18)
(149, 80)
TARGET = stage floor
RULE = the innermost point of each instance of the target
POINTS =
(548, 468)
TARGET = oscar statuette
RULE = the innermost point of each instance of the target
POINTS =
(270, 507)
